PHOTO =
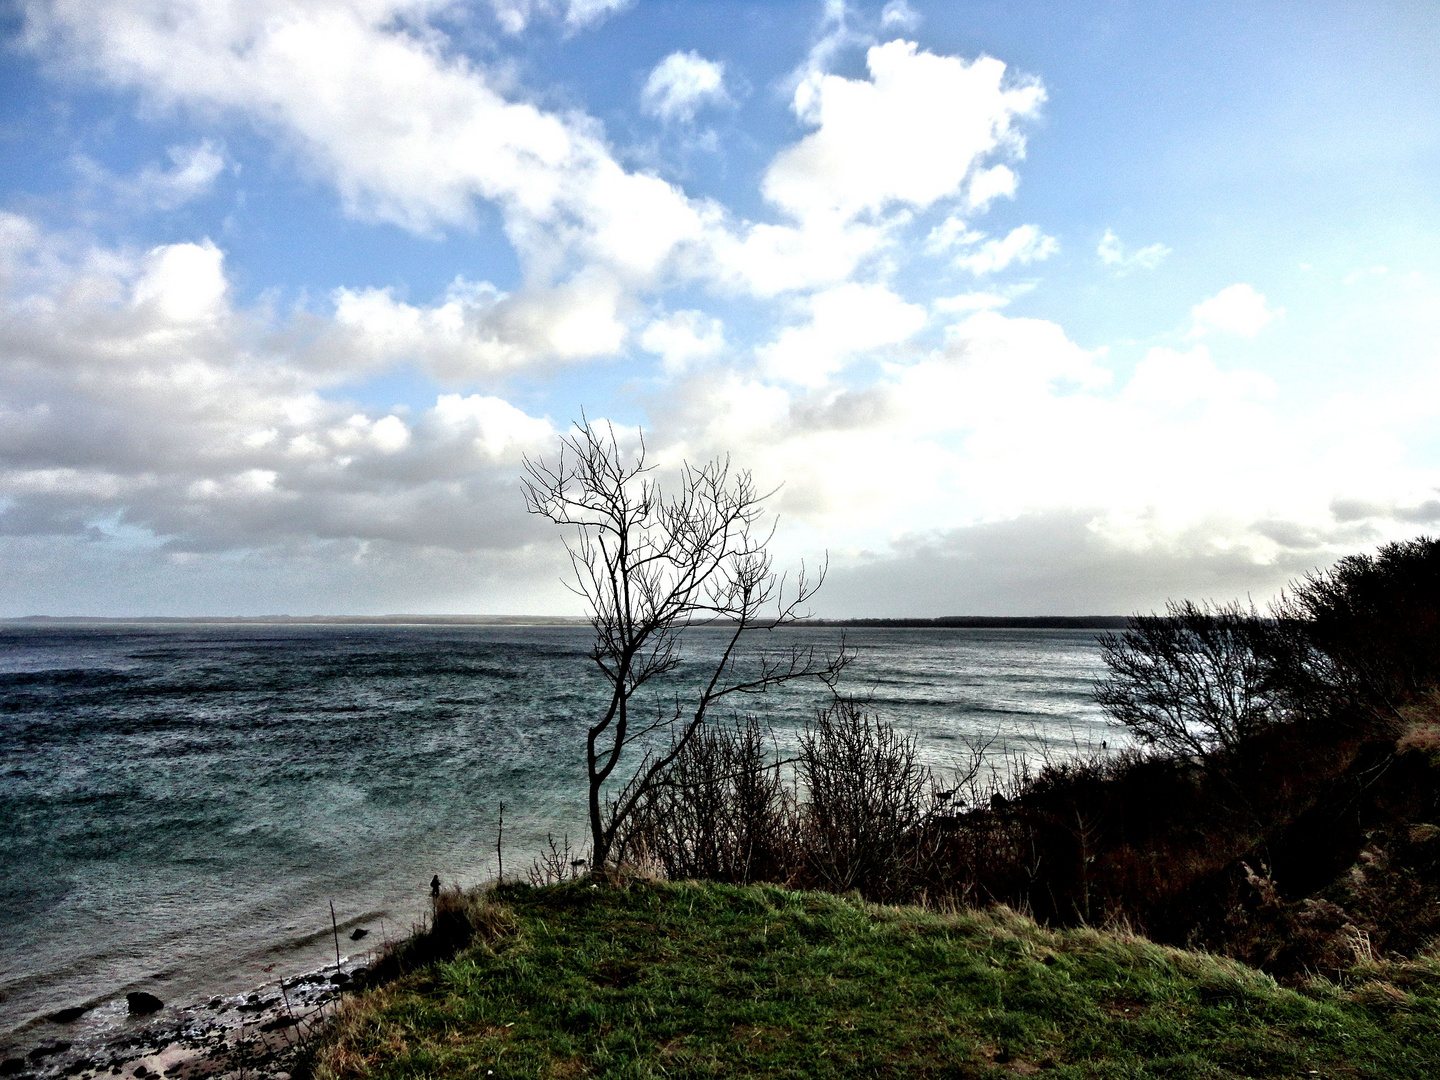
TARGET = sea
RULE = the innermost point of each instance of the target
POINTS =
(192, 809)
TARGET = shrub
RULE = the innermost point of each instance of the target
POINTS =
(866, 801)
(1371, 631)
(1194, 680)
(720, 812)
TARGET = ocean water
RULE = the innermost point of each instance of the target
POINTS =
(180, 804)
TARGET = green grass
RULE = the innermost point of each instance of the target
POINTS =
(706, 980)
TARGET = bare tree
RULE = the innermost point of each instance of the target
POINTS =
(650, 566)
(1195, 679)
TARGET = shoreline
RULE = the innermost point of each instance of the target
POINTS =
(258, 1034)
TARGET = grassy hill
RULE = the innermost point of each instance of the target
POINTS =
(711, 980)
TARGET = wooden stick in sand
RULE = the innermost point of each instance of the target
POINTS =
(500, 842)
(335, 929)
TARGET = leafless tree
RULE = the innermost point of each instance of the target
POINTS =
(1196, 679)
(652, 565)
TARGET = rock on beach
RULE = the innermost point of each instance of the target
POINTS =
(142, 1004)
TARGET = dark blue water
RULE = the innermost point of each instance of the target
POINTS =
(180, 804)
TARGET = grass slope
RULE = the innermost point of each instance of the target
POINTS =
(706, 980)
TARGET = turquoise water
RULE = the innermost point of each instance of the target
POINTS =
(180, 804)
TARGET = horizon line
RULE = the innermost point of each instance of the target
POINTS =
(879, 622)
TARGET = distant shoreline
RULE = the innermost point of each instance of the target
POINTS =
(943, 622)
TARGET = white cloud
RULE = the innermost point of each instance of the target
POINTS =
(1114, 254)
(845, 322)
(1170, 377)
(899, 15)
(916, 132)
(406, 133)
(192, 174)
(139, 405)
(683, 338)
(476, 329)
(411, 133)
(185, 281)
(515, 15)
(970, 301)
(987, 185)
(1189, 461)
(908, 136)
(1238, 309)
(1024, 244)
(951, 233)
(680, 84)
(1355, 276)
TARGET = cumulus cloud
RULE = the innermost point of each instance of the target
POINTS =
(844, 323)
(910, 135)
(1170, 377)
(684, 338)
(951, 233)
(185, 283)
(411, 134)
(987, 185)
(140, 406)
(1115, 254)
(1059, 561)
(1238, 309)
(1024, 244)
(680, 84)
(477, 330)
(407, 134)
(916, 132)
(1185, 461)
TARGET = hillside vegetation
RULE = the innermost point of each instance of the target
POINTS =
(1266, 863)
(677, 980)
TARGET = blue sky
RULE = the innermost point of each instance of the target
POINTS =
(1029, 307)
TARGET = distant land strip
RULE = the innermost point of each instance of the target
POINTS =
(989, 622)
(943, 622)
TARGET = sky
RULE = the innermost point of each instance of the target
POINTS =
(1019, 307)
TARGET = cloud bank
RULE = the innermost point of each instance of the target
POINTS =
(843, 336)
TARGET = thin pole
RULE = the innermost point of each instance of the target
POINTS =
(335, 929)
(500, 842)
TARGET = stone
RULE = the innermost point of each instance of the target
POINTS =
(143, 1004)
(358, 933)
(68, 1016)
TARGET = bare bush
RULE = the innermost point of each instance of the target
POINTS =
(866, 800)
(558, 863)
(1196, 679)
(721, 812)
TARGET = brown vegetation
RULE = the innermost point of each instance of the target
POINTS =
(1284, 806)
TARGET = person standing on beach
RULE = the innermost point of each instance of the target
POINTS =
(435, 887)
